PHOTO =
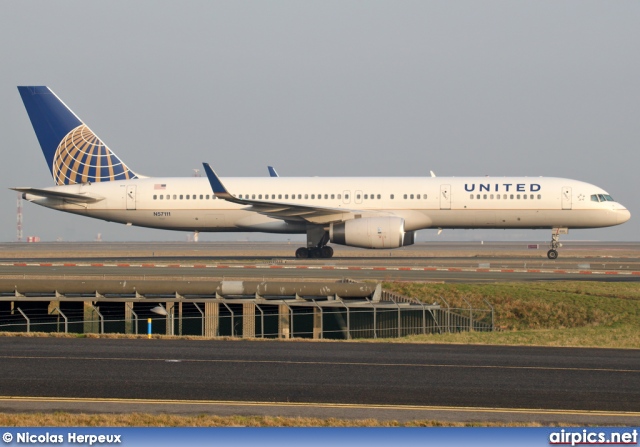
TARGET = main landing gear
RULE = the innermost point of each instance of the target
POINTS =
(555, 242)
(315, 252)
(317, 239)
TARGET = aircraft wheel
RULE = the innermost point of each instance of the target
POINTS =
(315, 253)
(326, 251)
(552, 254)
(302, 253)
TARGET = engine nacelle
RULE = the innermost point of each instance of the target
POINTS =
(369, 232)
(409, 238)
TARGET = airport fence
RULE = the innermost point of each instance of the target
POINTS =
(395, 316)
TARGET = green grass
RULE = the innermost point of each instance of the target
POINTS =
(549, 313)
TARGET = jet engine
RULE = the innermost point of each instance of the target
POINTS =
(369, 232)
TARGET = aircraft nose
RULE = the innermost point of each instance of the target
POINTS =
(623, 215)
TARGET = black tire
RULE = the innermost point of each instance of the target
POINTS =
(315, 253)
(326, 251)
(302, 253)
(552, 254)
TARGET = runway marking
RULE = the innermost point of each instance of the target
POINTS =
(236, 403)
(293, 362)
(320, 267)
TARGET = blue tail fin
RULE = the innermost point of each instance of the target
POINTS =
(73, 152)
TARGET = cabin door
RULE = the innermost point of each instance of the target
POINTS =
(566, 197)
(131, 197)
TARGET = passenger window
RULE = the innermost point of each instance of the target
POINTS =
(379, 197)
(392, 196)
(313, 196)
(340, 196)
(491, 197)
(326, 196)
(539, 196)
(357, 196)
(484, 196)
(518, 196)
(279, 196)
(471, 196)
(201, 197)
(181, 196)
(306, 196)
(498, 196)
(366, 196)
(405, 196)
(524, 196)
(424, 196)
(206, 197)
(155, 197)
(511, 196)
(333, 196)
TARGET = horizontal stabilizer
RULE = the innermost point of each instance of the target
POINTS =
(68, 196)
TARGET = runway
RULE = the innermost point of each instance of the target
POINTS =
(451, 262)
(322, 379)
(353, 380)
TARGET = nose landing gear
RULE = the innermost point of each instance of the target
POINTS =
(555, 242)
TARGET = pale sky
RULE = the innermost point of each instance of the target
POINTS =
(329, 88)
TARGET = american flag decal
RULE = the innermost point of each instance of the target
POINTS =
(160, 186)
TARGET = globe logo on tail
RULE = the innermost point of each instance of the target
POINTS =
(81, 157)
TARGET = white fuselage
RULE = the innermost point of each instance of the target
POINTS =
(432, 202)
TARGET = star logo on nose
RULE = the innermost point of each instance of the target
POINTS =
(581, 197)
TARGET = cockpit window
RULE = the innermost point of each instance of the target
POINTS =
(601, 198)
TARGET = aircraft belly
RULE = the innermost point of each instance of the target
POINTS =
(198, 220)
(415, 220)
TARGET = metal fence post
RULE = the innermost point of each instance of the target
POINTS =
(26, 318)
(101, 319)
(202, 314)
(66, 321)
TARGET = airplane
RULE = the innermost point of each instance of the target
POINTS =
(367, 212)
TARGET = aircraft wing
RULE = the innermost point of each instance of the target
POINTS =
(287, 211)
(68, 196)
